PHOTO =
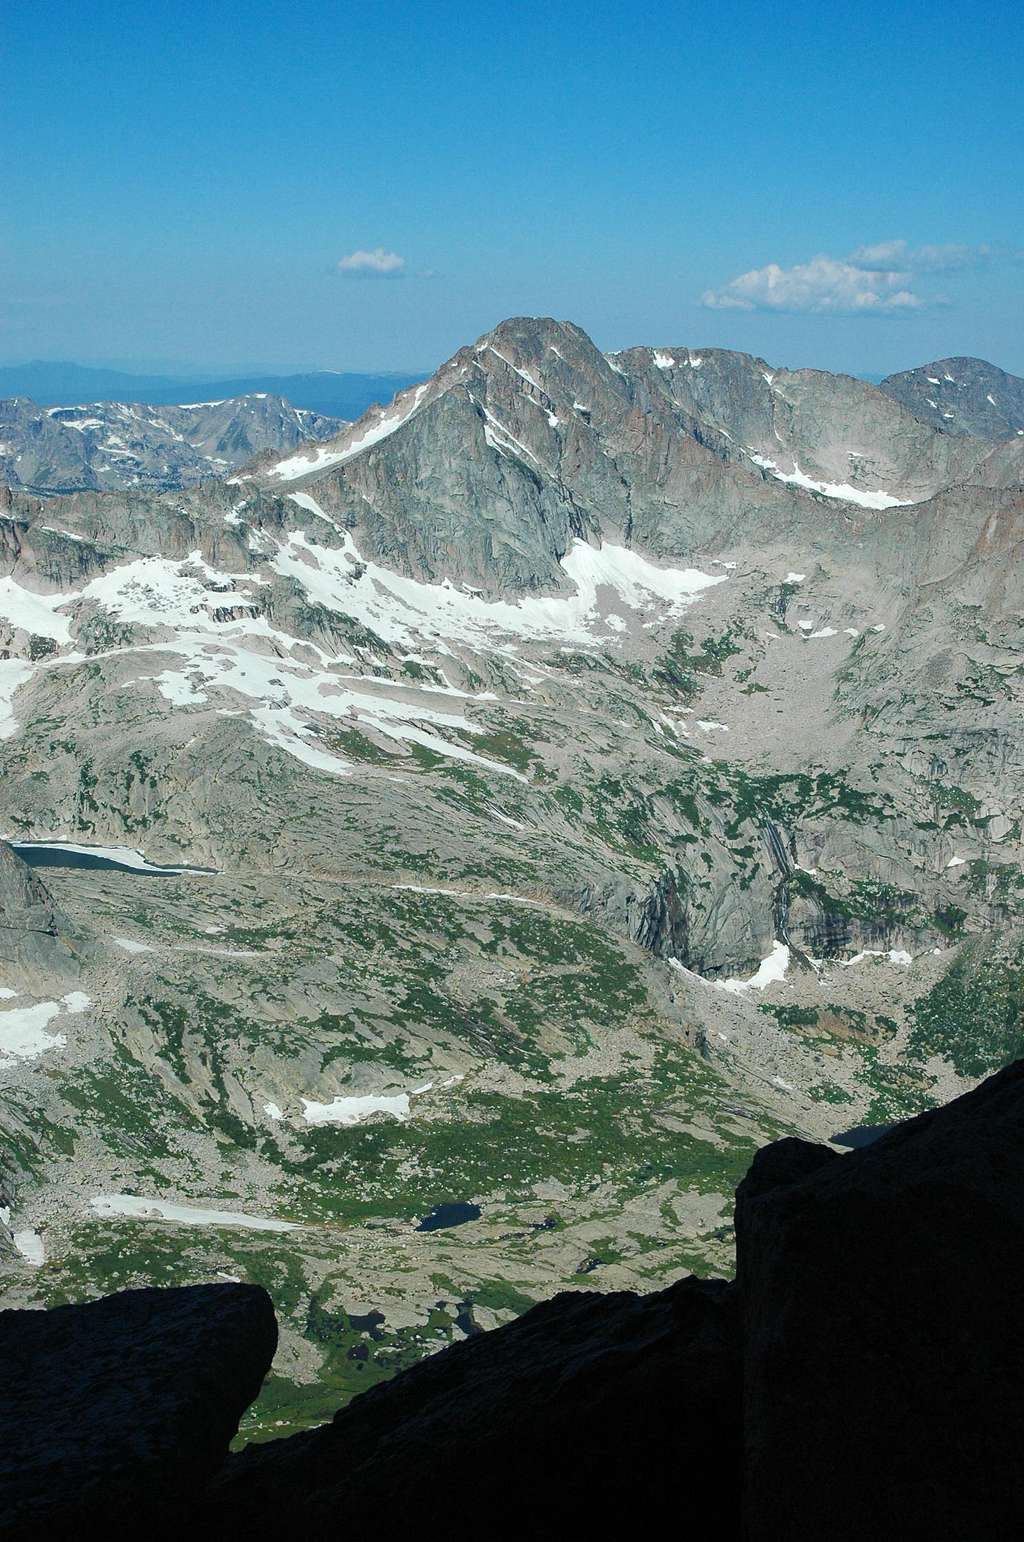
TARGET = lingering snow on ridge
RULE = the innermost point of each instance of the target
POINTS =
(770, 969)
(841, 490)
(138, 1208)
(324, 458)
(663, 360)
(13, 675)
(354, 1110)
(407, 610)
(34, 613)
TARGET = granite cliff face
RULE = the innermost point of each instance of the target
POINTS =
(571, 776)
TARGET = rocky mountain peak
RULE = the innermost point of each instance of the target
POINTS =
(962, 396)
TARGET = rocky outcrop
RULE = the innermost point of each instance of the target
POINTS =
(113, 1411)
(883, 1327)
(36, 939)
(591, 1413)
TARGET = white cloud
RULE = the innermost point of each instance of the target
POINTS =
(374, 264)
(823, 286)
(877, 279)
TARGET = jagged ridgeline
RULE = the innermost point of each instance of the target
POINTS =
(442, 852)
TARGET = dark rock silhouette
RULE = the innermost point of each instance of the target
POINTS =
(112, 1411)
(883, 1315)
(591, 1412)
(864, 1378)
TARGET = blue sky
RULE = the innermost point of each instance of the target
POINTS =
(836, 186)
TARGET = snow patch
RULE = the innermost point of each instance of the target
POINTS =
(841, 490)
(23, 1031)
(139, 1208)
(894, 955)
(769, 970)
(354, 1110)
(13, 675)
(34, 613)
(30, 1245)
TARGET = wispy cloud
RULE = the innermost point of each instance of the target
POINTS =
(887, 255)
(377, 263)
(878, 279)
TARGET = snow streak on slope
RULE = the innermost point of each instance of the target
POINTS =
(407, 610)
(298, 696)
(402, 410)
(843, 490)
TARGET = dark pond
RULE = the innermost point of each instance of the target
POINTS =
(41, 854)
(861, 1135)
(454, 1214)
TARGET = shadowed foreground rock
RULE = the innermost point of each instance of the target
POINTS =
(589, 1412)
(111, 1411)
(883, 1308)
(863, 1379)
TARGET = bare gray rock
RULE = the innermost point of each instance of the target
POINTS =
(962, 396)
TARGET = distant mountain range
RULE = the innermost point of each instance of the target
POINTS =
(336, 395)
(107, 446)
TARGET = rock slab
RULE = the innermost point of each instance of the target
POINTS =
(590, 1415)
(116, 1408)
(883, 1322)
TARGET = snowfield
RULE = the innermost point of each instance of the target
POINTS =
(137, 1208)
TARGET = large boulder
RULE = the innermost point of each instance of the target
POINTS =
(883, 1315)
(114, 1410)
(592, 1415)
